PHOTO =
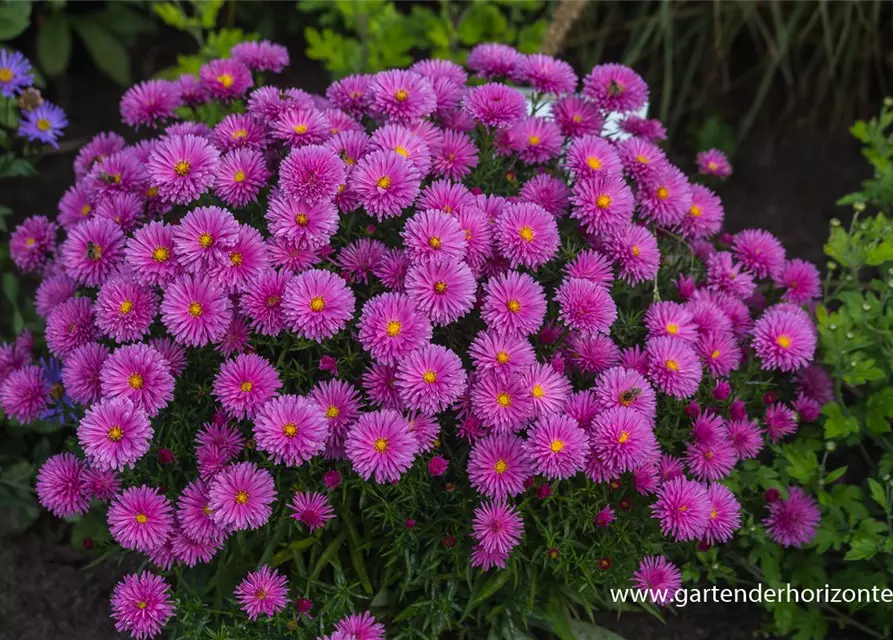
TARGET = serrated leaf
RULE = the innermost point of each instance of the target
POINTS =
(54, 44)
(877, 493)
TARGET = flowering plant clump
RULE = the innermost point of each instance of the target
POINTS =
(429, 352)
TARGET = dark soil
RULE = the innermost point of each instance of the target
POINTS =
(786, 182)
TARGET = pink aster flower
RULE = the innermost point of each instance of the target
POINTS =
(312, 173)
(705, 215)
(139, 373)
(615, 87)
(358, 258)
(244, 384)
(240, 176)
(385, 182)
(495, 105)
(240, 131)
(498, 466)
(582, 406)
(793, 522)
(443, 290)
(194, 514)
(245, 259)
(711, 460)
(69, 326)
(592, 353)
(380, 385)
(640, 158)
(124, 209)
(300, 127)
(745, 437)
(240, 497)
(101, 145)
(548, 387)
(261, 56)
(635, 250)
(60, 486)
(402, 141)
(449, 197)
(759, 251)
(801, 281)
(536, 140)
(526, 234)
(438, 465)
(665, 196)
(150, 254)
(149, 102)
(815, 383)
(480, 558)
(647, 128)
(189, 552)
(585, 306)
(401, 95)
(577, 117)
(225, 79)
(142, 605)
(714, 162)
(497, 526)
(264, 591)
(300, 223)
(724, 275)
(674, 366)
(340, 402)
(262, 301)
(359, 626)
(623, 438)
(725, 514)
(604, 517)
(182, 168)
(659, 578)
(81, 371)
(33, 243)
(116, 173)
(780, 421)
(514, 302)
(592, 156)
(784, 338)
(381, 445)
(25, 394)
(498, 351)
(556, 447)
(93, 251)
(425, 428)
(683, 509)
(114, 434)
(455, 155)
(550, 193)
(719, 352)
(390, 327)
(291, 429)
(503, 403)
(546, 74)
(196, 310)
(620, 387)
(100, 484)
(670, 319)
(591, 265)
(125, 309)
(52, 291)
(204, 238)
(312, 509)
(430, 378)
(318, 304)
(141, 518)
(431, 235)
(603, 203)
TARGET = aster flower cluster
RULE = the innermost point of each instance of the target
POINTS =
(420, 290)
(39, 121)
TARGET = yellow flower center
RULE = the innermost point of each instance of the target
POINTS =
(86, 209)
(526, 234)
(603, 201)
(624, 436)
(151, 192)
(593, 163)
(556, 446)
(402, 95)
(501, 466)
(115, 434)
(126, 307)
(683, 508)
(394, 327)
(695, 211)
(434, 242)
(504, 399)
(715, 354)
(142, 604)
(381, 445)
(246, 386)
(226, 80)
(635, 251)
(240, 134)
(300, 128)
(402, 151)
(672, 329)
(533, 140)
(302, 220)
(429, 377)
(662, 193)
(43, 124)
(5, 74)
(642, 159)
(537, 391)
(317, 304)
(332, 412)
(502, 357)
(713, 514)
(513, 305)
(135, 381)
(239, 177)
(672, 365)
(30, 242)
(235, 258)
(384, 182)
(712, 166)
(206, 240)
(272, 301)
(241, 497)
(577, 118)
(142, 518)
(783, 341)
(290, 430)
(182, 168)
(57, 391)
(440, 287)
(161, 254)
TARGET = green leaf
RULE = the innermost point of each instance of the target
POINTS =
(877, 493)
(330, 554)
(880, 411)
(54, 44)
(530, 38)
(171, 15)
(356, 554)
(207, 12)
(284, 555)
(880, 254)
(107, 52)
(862, 548)
(838, 425)
(11, 288)
(14, 19)
(489, 589)
(835, 475)
(587, 631)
